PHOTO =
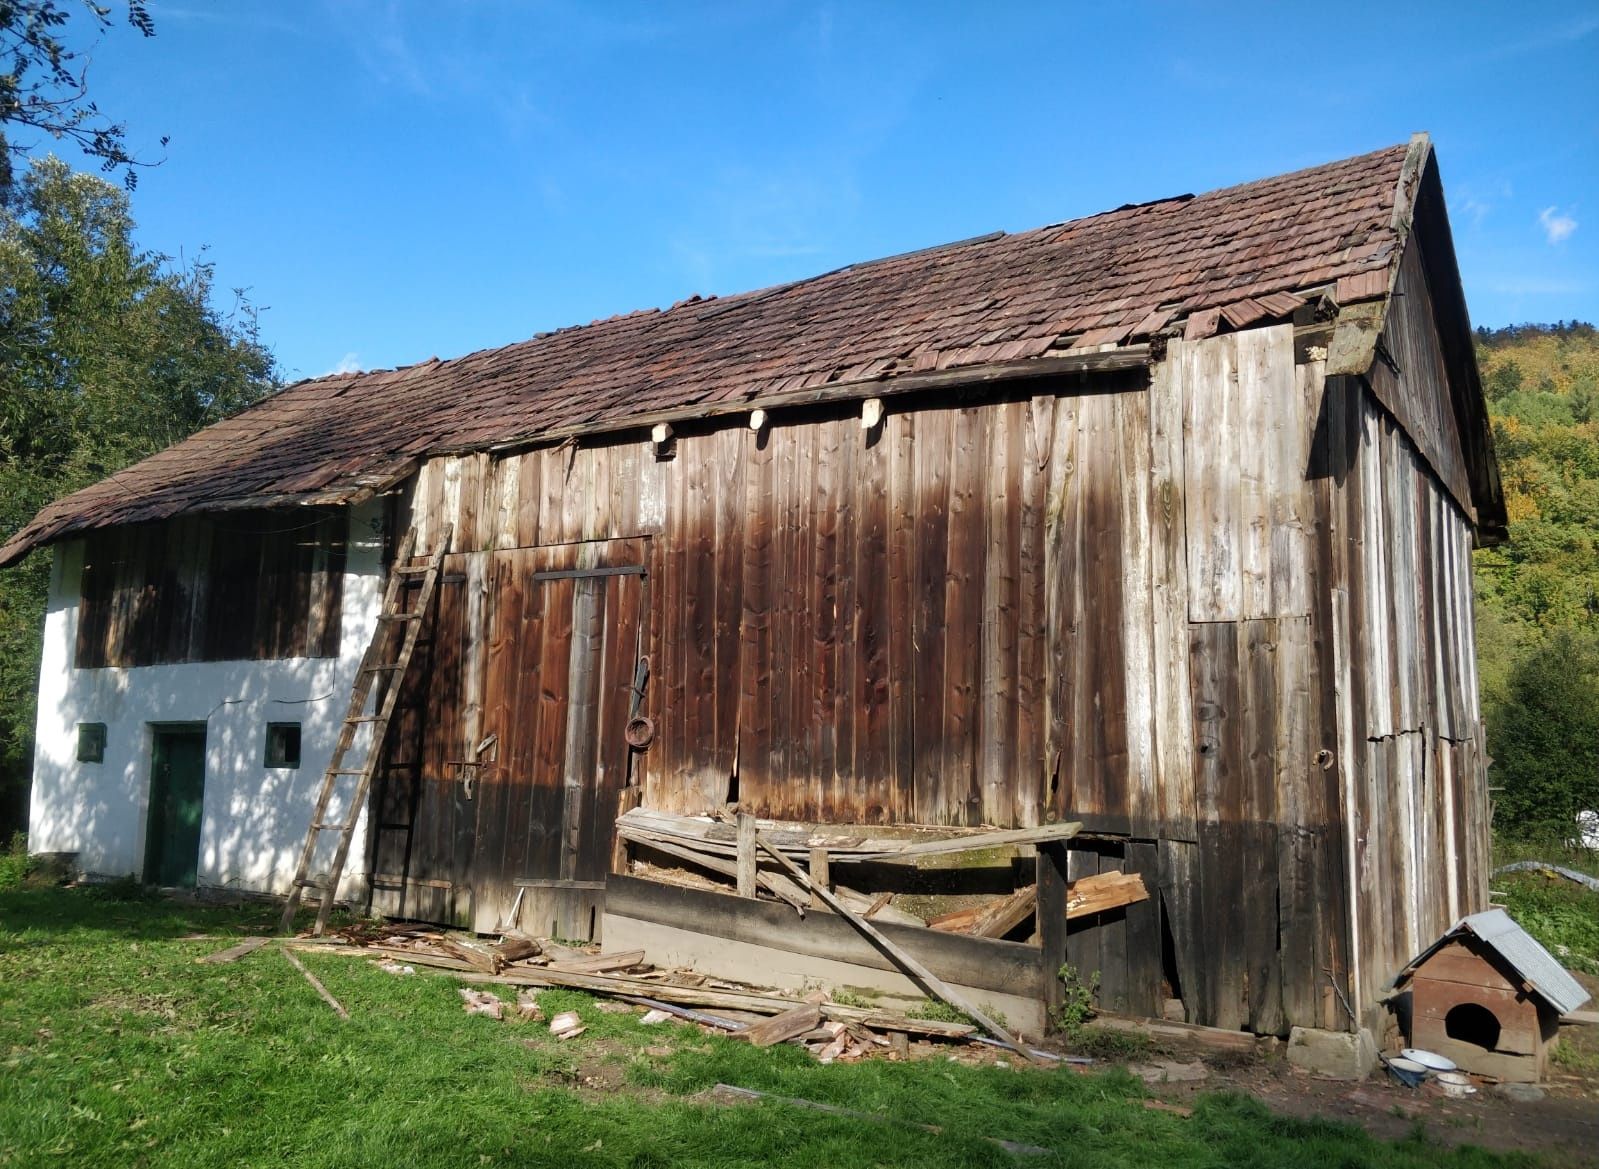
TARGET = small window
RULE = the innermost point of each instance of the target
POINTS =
(91, 742)
(283, 745)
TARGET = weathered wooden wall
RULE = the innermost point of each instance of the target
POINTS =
(1222, 615)
(237, 586)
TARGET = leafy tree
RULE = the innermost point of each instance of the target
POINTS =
(44, 85)
(1546, 744)
(107, 354)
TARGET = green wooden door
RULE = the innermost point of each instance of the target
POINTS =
(177, 794)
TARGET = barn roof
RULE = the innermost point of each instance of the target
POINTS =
(1535, 965)
(999, 305)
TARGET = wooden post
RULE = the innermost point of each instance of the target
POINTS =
(746, 855)
(626, 800)
(1052, 921)
(819, 875)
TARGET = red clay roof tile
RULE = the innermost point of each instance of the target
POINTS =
(1101, 277)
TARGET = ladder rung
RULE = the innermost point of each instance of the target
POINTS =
(364, 718)
(412, 569)
(346, 771)
(382, 666)
(399, 616)
(327, 827)
(308, 883)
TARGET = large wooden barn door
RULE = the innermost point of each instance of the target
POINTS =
(507, 755)
(423, 815)
(562, 644)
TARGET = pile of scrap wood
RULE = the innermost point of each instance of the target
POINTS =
(830, 1030)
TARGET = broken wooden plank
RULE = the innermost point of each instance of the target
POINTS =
(781, 1028)
(1103, 892)
(983, 840)
(1007, 914)
(746, 855)
(600, 963)
(905, 961)
(478, 957)
(516, 949)
(316, 984)
(1215, 1038)
(234, 952)
(775, 884)
(959, 921)
(820, 875)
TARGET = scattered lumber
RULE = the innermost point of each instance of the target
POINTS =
(316, 985)
(517, 949)
(600, 963)
(780, 1028)
(905, 961)
(482, 1002)
(1212, 1038)
(479, 957)
(980, 841)
(235, 952)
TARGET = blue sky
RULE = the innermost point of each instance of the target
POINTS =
(394, 181)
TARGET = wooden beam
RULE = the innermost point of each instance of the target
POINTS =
(909, 964)
(1121, 359)
(819, 875)
(984, 840)
(746, 855)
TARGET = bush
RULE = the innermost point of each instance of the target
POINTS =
(1545, 742)
(14, 863)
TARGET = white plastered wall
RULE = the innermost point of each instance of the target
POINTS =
(255, 818)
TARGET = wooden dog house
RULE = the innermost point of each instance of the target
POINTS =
(1490, 998)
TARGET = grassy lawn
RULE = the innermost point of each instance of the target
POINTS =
(119, 1050)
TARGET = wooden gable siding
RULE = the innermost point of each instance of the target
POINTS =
(239, 586)
(1414, 770)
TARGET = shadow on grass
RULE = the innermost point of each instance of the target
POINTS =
(124, 911)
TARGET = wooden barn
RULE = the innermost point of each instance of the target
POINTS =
(1158, 521)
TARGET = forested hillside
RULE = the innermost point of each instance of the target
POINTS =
(1538, 595)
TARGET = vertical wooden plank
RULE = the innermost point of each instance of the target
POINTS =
(1174, 760)
(1052, 877)
(934, 432)
(900, 434)
(998, 764)
(843, 793)
(746, 855)
(1063, 592)
(963, 614)
(821, 618)
(1032, 685)
(870, 647)
(1099, 778)
(755, 726)
(1212, 484)
(729, 451)
(1256, 457)
(1137, 658)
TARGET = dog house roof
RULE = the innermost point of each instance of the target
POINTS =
(1536, 965)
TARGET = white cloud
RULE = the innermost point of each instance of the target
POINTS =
(1557, 225)
(349, 363)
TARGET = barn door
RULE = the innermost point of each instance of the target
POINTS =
(423, 814)
(561, 648)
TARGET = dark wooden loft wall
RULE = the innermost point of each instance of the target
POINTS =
(238, 586)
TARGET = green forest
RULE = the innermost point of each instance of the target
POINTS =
(1538, 594)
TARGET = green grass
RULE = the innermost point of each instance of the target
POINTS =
(116, 1049)
(1561, 914)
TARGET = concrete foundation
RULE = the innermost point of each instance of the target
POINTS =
(1339, 1055)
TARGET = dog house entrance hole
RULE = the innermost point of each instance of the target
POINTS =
(1472, 1023)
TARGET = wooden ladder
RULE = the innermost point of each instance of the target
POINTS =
(388, 655)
